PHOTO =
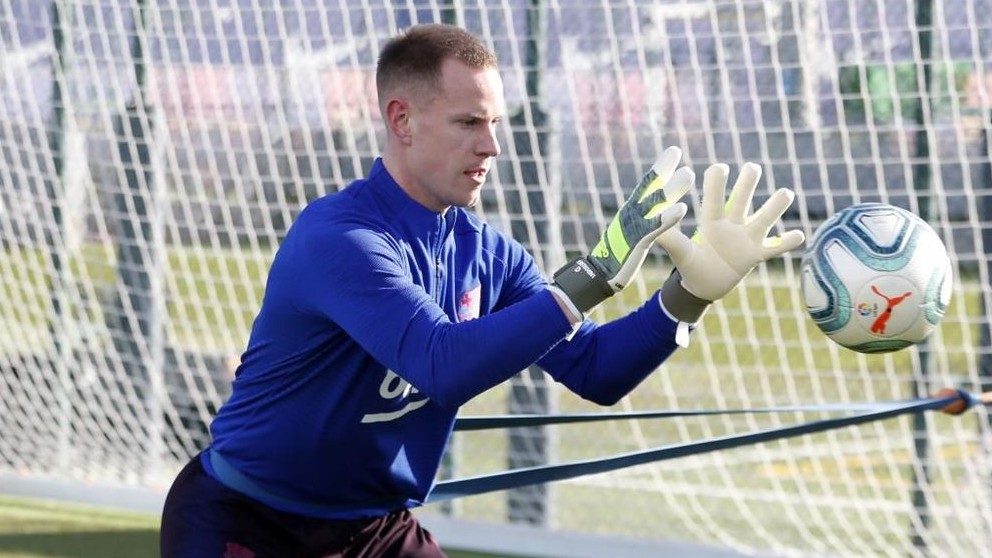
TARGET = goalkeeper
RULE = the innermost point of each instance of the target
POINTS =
(389, 305)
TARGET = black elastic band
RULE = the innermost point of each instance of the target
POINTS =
(493, 422)
(471, 486)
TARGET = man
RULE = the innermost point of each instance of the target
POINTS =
(389, 305)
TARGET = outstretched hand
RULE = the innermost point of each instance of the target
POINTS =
(727, 245)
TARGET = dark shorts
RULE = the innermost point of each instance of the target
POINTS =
(204, 519)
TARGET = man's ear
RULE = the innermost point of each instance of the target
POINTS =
(398, 115)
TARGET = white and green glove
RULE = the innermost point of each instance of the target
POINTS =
(651, 209)
(728, 243)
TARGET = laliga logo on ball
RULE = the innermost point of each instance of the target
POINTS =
(876, 278)
(866, 309)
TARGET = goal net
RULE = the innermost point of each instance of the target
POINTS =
(153, 154)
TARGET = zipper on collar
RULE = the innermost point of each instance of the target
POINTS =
(442, 234)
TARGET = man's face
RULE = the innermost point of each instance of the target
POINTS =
(453, 137)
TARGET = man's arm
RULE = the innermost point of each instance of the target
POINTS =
(359, 281)
(603, 363)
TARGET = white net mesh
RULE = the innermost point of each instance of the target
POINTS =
(152, 154)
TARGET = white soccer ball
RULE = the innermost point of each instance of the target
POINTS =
(876, 278)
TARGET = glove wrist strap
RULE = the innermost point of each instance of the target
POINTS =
(583, 284)
(679, 302)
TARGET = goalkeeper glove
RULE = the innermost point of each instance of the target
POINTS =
(650, 210)
(727, 245)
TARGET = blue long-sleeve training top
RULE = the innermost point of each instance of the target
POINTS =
(379, 319)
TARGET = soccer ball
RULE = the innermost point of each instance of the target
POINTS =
(876, 278)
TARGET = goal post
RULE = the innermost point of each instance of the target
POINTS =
(153, 155)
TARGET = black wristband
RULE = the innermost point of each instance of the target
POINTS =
(583, 284)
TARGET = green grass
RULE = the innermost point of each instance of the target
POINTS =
(32, 528)
(39, 528)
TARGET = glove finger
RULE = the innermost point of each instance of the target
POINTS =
(674, 190)
(667, 219)
(680, 184)
(658, 177)
(742, 194)
(677, 244)
(714, 192)
(668, 162)
(771, 211)
(775, 246)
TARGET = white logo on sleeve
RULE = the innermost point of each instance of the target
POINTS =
(392, 388)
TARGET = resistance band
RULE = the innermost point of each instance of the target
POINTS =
(490, 422)
(948, 400)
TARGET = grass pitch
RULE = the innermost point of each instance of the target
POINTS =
(32, 528)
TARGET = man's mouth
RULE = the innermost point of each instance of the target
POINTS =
(478, 174)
